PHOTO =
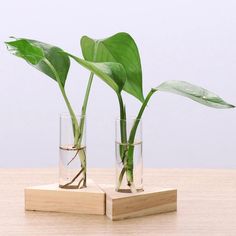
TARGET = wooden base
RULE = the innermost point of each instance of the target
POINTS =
(90, 200)
(128, 205)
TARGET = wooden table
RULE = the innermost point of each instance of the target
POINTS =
(206, 205)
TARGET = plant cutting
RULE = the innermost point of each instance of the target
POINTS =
(55, 63)
(122, 49)
(49, 60)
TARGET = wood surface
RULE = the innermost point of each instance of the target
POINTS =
(206, 205)
(152, 200)
(51, 198)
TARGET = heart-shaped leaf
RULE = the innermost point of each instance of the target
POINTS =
(193, 92)
(111, 73)
(37, 53)
(120, 48)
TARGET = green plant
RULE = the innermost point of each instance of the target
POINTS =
(55, 63)
(121, 48)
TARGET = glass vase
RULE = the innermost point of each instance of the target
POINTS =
(72, 152)
(129, 160)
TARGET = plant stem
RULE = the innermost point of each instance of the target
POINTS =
(139, 116)
(72, 114)
(130, 154)
(84, 108)
(128, 166)
(82, 156)
(76, 130)
(82, 120)
(123, 132)
(85, 102)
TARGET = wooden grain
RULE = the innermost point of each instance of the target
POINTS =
(51, 198)
(151, 201)
(206, 206)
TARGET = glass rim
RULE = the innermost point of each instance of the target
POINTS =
(67, 114)
(129, 118)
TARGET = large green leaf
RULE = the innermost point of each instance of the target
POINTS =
(111, 73)
(37, 53)
(193, 92)
(120, 48)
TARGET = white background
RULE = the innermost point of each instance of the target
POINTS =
(183, 40)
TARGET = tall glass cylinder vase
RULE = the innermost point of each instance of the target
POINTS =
(129, 160)
(72, 152)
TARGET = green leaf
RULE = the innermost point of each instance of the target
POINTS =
(36, 53)
(111, 73)
(51, 61)
(120, 48)
(193, 92)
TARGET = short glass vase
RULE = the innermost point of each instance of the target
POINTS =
(72, 155)
(129, 158)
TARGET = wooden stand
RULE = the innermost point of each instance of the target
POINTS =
(128, 205)
(97, 201)
(90, 200)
